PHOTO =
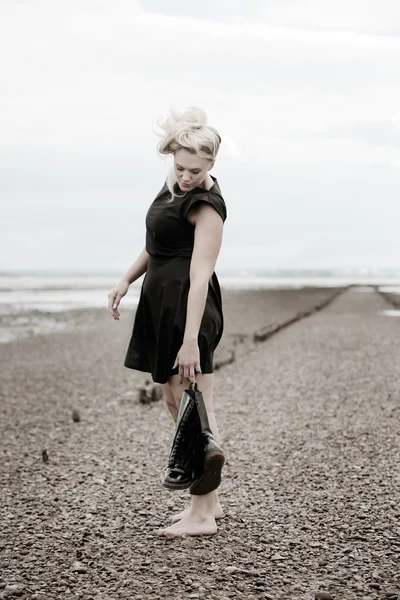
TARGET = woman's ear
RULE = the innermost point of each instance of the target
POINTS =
(212, 163)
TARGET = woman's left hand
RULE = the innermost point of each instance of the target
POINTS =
(188, 361)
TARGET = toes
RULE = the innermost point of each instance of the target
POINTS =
(165, 533)
(169, 533)
(178, 516)
(174, 519)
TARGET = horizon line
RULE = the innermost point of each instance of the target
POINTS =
(238, 271)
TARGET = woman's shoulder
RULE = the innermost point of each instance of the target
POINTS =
(212, 196)
(213, 192)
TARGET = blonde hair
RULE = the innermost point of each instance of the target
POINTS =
(187, 130)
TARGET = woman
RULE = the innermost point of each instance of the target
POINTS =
(179, 319)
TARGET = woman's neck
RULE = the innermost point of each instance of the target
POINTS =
(207, 183)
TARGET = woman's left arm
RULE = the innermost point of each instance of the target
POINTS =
(207, 243)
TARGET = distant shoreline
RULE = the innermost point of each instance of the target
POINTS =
(307, 272)
(41, 305)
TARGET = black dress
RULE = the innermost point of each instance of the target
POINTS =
(160, 317)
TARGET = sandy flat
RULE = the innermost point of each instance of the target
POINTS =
(309, 423)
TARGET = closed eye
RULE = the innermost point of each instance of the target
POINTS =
(194, 171)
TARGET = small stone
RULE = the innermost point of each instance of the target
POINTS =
(76, 417)
(45, 456)
(323, 596)
(231, 569)
(79, 567)
(375, 585)
(13, 589)
(277, 556)
(149, 392)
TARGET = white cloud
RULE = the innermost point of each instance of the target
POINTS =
(380, 133)
(348, 15)
(306, 102)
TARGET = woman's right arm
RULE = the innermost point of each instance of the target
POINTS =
(133, 273)
(138, 268)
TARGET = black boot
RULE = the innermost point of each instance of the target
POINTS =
(209, 458)
(179, 473)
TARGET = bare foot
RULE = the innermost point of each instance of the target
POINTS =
(191, 524)
(218, 514)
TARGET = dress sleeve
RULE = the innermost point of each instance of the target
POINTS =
(209, 198)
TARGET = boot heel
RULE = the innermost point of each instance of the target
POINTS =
(210, 478)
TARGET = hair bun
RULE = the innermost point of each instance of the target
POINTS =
(188, 130)
(195, 116)
(192, 117)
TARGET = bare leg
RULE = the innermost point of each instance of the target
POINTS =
(199, 519)
(218, 512)
(170, 401)
(173, 407)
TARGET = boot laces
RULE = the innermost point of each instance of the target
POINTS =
(178, 455)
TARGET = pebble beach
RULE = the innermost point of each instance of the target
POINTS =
(307, 398)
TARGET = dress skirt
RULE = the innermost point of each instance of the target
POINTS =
(160, 319)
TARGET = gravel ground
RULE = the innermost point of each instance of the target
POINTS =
(309, 424)
(393, 299)
(248, 313)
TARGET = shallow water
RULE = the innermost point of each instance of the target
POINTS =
(20, 294)
(31, 305)
(390, 313)
(390, 289)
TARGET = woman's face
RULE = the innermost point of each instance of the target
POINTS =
(190, 169)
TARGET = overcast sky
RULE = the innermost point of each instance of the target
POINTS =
(307, 102)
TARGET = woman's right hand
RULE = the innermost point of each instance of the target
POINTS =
(114, 298)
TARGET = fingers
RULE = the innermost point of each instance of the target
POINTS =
(183, 373)
(113, 301)
(188, 364)
(187, 371)
(117, 300)
(181, 370)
